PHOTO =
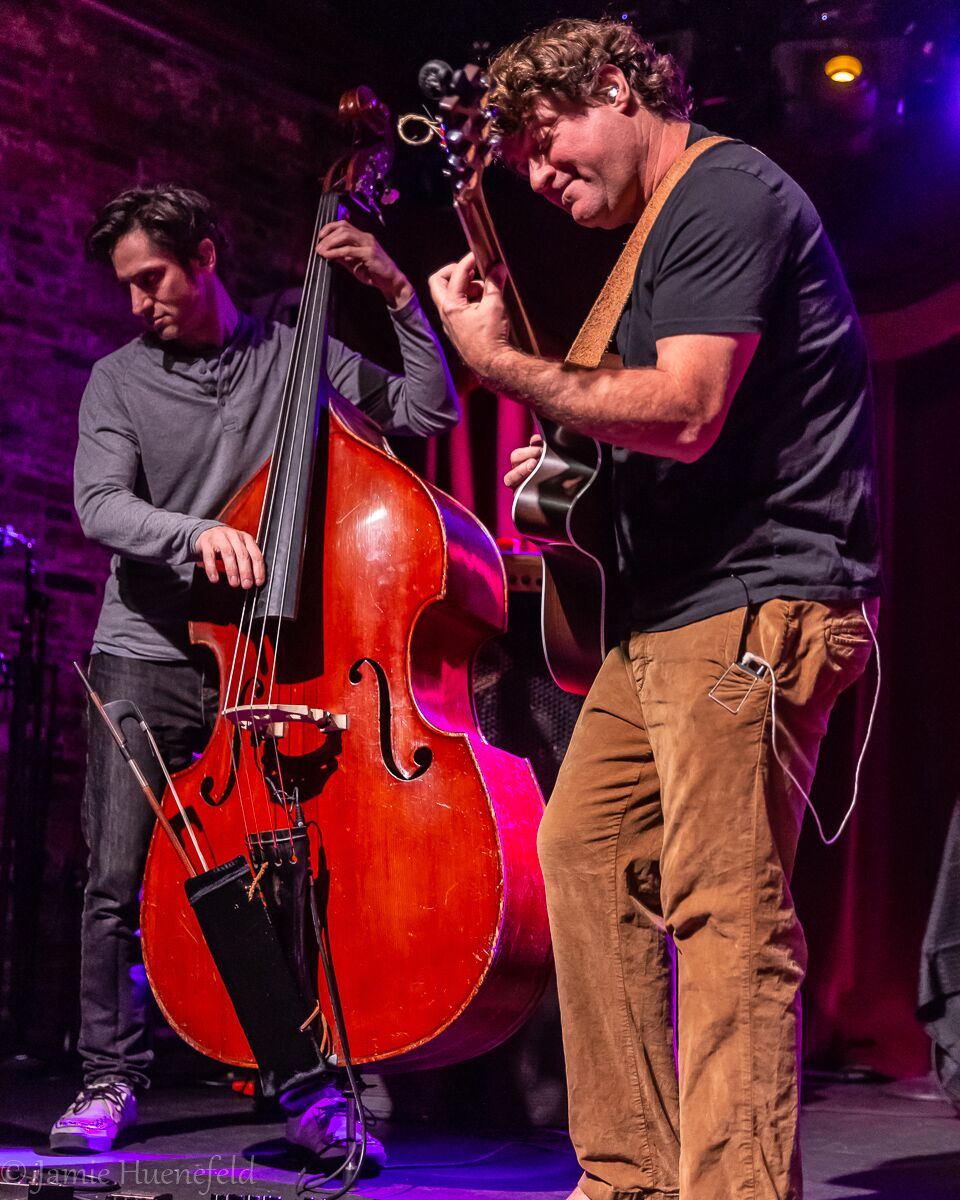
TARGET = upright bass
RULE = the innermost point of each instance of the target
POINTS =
(346, 708)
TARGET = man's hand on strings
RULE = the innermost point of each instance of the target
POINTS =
(239, 553)
(365, 258)
(472, 312)
(523, 461)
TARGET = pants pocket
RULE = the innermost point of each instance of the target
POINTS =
(848, 640)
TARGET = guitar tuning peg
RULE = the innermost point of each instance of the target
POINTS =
(434, 78)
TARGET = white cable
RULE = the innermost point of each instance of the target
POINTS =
(863, 750)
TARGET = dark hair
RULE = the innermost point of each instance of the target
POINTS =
(175, 219)
(563, 61)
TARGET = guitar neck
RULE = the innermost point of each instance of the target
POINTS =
(483, 241)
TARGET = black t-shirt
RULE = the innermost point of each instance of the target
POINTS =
(783, 504)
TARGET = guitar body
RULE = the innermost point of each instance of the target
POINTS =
(564, 506)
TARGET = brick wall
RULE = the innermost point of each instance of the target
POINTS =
(90, 102)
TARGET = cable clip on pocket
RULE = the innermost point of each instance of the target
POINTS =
(729, 691)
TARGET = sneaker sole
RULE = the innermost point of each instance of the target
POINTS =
(60, 1142)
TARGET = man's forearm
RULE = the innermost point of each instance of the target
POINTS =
(130, 526)
(430, 405)
(640, 408)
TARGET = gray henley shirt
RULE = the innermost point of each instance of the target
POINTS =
(167, 437)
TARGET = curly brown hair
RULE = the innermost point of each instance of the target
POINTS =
(563, 61)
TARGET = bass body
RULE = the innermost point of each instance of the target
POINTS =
(432, 893)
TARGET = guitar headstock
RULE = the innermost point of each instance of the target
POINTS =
(464, 122)
(463, 125)
(361, 173)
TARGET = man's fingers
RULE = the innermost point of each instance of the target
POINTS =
(519, 472)
(439, 283)
(343, 241)
(239, 554)
(209, 553)
(341, 238)
(244, 562)
(461, 277)
(341, 229)
(444, 273)
(524, 454)
(532, 450)
(523, 461)
(250, 565)
(259, 566)
(340, 250)
(349, 256)
(229, 559)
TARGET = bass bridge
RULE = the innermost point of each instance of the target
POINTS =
(272, 720)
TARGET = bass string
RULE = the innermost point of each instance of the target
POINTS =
(239, 671)
(307, 348)
(294, 425)
(266, 509)
(313, 345)
(315, 341)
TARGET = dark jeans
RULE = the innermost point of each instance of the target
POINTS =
(179, 702)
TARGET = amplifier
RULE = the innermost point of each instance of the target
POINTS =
(519, 707)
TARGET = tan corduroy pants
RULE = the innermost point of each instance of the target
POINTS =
(671, 812)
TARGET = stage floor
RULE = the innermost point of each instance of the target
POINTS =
(860, 1141)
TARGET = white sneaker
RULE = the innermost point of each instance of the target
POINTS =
(322, 1129)
(95, 1118)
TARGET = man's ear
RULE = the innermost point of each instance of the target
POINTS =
(612, 88)
(206, 256)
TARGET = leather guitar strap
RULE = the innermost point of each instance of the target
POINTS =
(591, 342)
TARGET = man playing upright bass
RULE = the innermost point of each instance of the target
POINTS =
(747, 528)
(171, 425)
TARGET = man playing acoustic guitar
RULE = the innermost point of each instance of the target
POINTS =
(747, 528)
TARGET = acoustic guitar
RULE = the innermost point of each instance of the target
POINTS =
(565, 505)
